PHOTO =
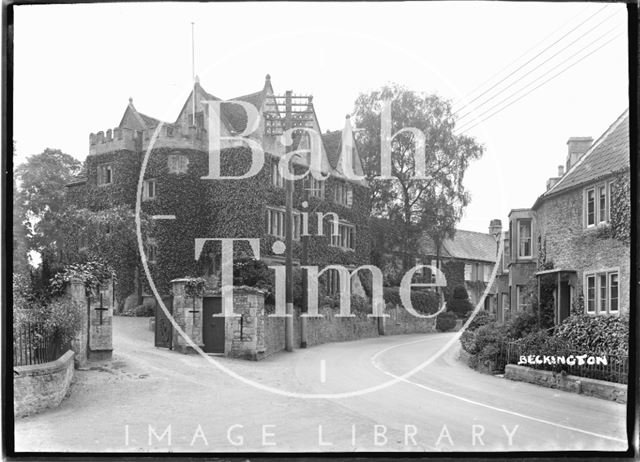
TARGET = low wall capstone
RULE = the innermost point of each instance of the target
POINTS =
(41, 386)
(598, 388)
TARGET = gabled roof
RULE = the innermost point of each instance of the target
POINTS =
(609, 154)
(332, 143)
(136, 120)
(471, 245)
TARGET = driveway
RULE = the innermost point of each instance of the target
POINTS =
(151, 399)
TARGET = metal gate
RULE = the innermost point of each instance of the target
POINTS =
(164, 329)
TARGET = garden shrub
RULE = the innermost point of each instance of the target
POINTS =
(426, 302)
(144, 311)
(481, 318)
(488, 340)
(522, 324)
(459, 302)
(596, 334)
(468, 342)
(63, 319)
(445, 322)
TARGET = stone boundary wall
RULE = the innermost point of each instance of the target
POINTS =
(590, 387)
(400, 321)
(41, 386)
(334, 329)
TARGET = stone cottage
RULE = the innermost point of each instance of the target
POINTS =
(577, 231)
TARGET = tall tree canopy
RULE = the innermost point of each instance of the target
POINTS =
(41, 191)
(405, 198)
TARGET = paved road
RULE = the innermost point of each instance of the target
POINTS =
(129, 403)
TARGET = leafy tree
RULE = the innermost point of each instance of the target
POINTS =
(459, 302)
(20, 253)
(405, 198)
(42, 189)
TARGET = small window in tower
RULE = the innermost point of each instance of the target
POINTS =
(178, 163)
(105, 174)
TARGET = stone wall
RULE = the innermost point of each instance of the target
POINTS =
(400, 321)
(571, 246)
(331, 328)
(41, 386)
(591, 387)
(79, 344)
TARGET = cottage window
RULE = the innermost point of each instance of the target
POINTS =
(602, 212)
(177, 163)
(343, 194)
(597, 207)
(591, 294)
(149, 190)
(522, 298)
(613, 292)
(524, 238)
(276, 177)
(467, 272)
(276, 223)
(345, 238)
(602, 292)
(591, 208)
(105, 174)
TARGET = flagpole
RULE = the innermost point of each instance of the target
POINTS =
(193, 76)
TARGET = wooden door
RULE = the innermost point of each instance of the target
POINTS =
(212, 326)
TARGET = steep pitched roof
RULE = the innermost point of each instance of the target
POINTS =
(332, 143)
(471, 245)
(610, 153)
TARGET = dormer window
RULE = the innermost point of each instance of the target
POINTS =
(105, 174)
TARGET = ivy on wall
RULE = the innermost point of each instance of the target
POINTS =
(216, 209)
(621, 207)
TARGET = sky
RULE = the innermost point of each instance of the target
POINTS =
(76, 66)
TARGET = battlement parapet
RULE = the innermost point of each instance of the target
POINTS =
(171, 136)
(116, 139)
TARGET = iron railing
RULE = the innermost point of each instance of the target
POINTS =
(32, 344)
(616, 368)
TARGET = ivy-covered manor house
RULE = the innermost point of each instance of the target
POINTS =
(252, 207)
(576, 236)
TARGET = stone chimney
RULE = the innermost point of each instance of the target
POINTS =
(577, 146)
(495, 227)
(560, 170)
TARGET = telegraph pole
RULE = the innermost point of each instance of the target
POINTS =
(298, 113)
(288, 320)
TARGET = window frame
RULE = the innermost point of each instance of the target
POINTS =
(297, 222)
(152, 251)
(598, 218)
(102, 169)
(350, 237)
(596, 276)
(145, 189)
(343, 194)
(177, 159)
(521, 290)
(518, 223)
(277, 180)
